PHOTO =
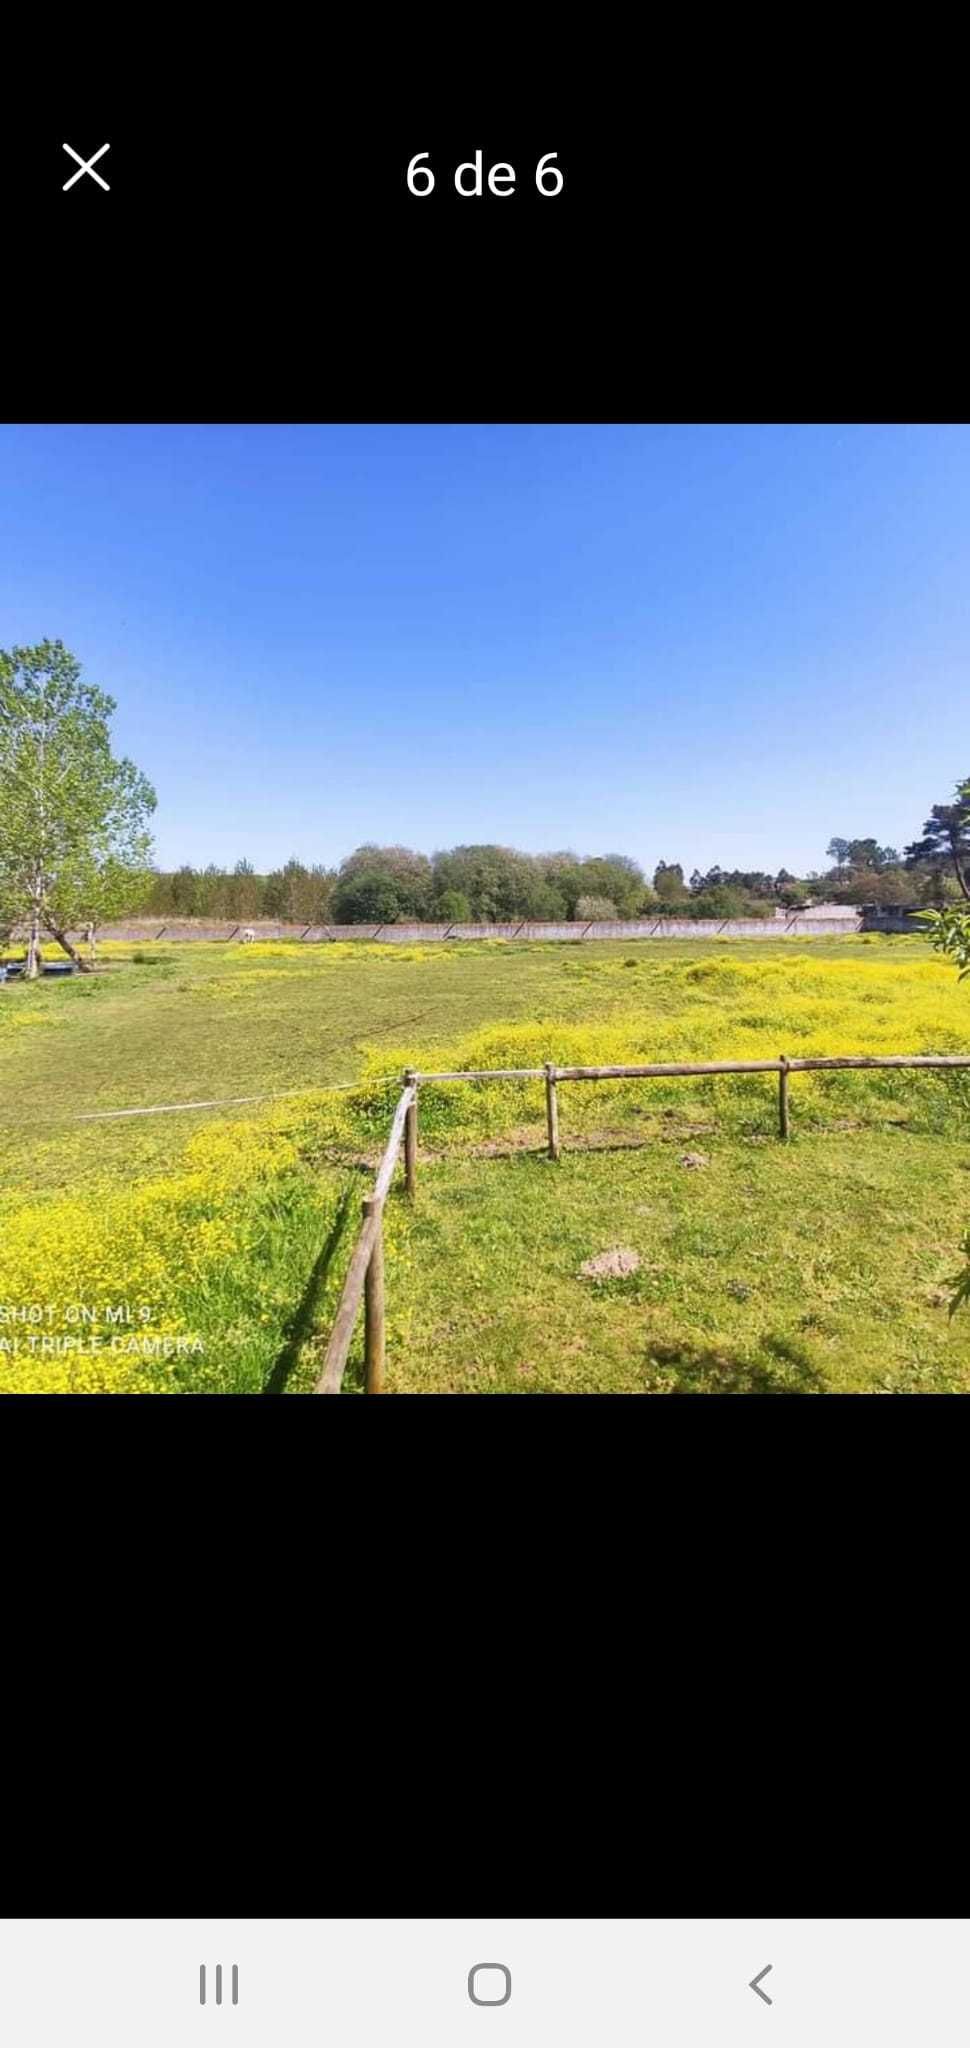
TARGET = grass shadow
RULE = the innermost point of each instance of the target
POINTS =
(301, 1323)
(713, 1370)
(531, 1150)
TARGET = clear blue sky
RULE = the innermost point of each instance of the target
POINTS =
(696, 643)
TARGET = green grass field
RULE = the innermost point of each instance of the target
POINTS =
(205, 1251)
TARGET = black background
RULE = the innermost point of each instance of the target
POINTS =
(530, 1655)
(720, 250)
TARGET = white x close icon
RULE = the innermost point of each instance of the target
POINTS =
(105, 187)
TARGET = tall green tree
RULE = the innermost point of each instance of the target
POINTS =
(298, 894)
(668, 882)
(73, 818)
(946, 839)
(367, 899)
(245, 892)
(407, 873)
(499, 883)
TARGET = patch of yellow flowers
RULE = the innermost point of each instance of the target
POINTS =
(96, 1292)
(136, 1266)
(706, 1009)
(16, 1015)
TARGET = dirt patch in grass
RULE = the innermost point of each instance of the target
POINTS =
(611, 1265)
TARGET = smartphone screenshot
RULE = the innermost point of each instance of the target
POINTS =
(484, 843)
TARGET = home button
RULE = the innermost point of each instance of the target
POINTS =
(489, 1984)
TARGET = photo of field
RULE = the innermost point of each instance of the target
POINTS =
(484, 910)
(205, 1249)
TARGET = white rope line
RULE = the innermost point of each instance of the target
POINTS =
(93, 1116)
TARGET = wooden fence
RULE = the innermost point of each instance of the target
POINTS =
(365, 1274)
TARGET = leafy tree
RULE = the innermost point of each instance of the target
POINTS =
(595, 909)
(453, 907)
(298, 894)
(869, 873)
(668, 882)
(9, 912)
(185, 892)
(863, 853)
(933, 886)
(556, 864)
(751, 882)
(212, 891)
(946, 839)
(891, 885)
(859, 856)
(499, 883)
(724, 901)
(615, 876)
(543, 899)
(73, 819)
(568, 882)
(91, 896)
(949, 933)
(366, 899)
(244, 892)
(320, 893)
(409, 874)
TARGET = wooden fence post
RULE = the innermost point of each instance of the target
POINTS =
(552, 1111)
(374, 1345)
(411, 1138)
(783, 1126)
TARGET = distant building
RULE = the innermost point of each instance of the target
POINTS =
(838, 912)
(891, 917)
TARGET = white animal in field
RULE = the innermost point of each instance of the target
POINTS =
(246, 938)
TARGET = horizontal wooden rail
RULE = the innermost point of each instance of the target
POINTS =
(656, 1069)
(889, 1059)
(488, 1074)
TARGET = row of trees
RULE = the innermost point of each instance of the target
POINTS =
(494, 884)
(384, 884)
(75, 849)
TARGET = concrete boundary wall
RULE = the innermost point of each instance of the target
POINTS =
(149, 930)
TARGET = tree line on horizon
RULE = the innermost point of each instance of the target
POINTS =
(76, 851)
(492, 884)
